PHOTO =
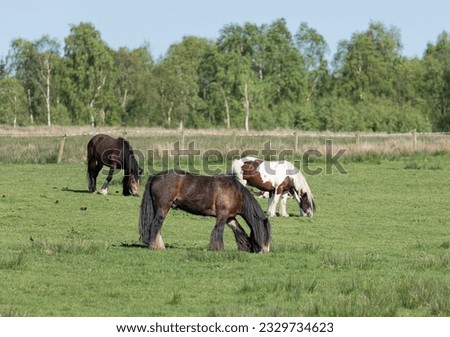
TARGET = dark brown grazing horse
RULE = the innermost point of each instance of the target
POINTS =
(222, 197)
(280, 179)
(116, 154)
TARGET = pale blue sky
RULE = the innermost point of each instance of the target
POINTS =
(161, 23)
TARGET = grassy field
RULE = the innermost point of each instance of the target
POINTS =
(379, 245)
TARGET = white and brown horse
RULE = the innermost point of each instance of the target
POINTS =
(279, 178)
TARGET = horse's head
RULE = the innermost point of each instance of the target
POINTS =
(307, 205)
(135, 185)
(131, 185)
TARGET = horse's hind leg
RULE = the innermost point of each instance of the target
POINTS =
(156, 242)
(242, 239)
(104, 190)
(273, 201)
(92, 171)
(216, 239)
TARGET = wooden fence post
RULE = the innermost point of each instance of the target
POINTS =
(414, 139)
(62, 143)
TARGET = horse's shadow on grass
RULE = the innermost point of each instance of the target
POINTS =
(66, 189)
(141, 245)
(131, 245)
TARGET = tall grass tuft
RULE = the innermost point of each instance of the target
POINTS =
(11, 312)
(66, 247)
(12, 262)
(430, 295)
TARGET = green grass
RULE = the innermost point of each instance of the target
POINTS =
(378, 246)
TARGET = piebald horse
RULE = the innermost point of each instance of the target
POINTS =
(280, 179)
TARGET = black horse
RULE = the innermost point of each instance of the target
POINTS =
(222, 197)
(116, 154)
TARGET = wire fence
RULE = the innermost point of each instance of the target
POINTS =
(40, 145)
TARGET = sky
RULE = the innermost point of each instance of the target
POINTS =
(133, 23)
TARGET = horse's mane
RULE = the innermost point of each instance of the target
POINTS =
(130, 163)
(253, 214)
(236, 168)
(299, 181)
(251, 208)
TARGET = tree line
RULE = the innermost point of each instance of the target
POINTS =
(250, 77)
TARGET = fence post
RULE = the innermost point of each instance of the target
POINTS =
(414, 139)
(62, 143)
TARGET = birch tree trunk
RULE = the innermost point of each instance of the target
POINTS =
(227, 107)
(246, 105)
(30, 109)
(97, 92)
(47, 96)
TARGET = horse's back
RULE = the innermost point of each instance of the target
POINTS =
(203, 195)
(106, 149)
(100, 138)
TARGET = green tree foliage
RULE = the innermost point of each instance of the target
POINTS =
(180, 91)
(255, 76)
(436, 81)
(135, 86)
(374, 78)
(250, 77)
(90, 77)
(366, 65)
(13, 105)
(313, 49)
(35, 65)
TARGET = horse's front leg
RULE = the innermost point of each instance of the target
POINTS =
(216, 239)
(104, 190)
(273, 201)
(242, 239)
(299, 201)
(283, 203)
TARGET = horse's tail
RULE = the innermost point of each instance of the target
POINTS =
(147, 213)
(91, 164)
(257, 220)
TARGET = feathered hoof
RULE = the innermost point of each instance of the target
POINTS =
(265, 248)
(103, 191)
(158, 244)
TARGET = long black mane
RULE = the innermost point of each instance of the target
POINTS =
(253, 213)
(129, 164)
